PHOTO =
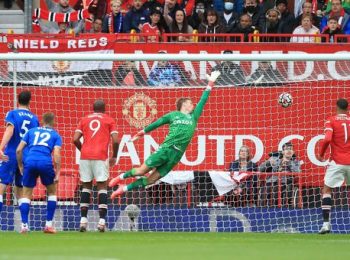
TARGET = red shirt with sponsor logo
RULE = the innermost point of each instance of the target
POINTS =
(96, 129)
(337, 134)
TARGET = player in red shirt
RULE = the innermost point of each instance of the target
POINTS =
(337, 134)
(97, 130)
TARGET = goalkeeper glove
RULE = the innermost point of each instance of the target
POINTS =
(137, 136)
(212, 78)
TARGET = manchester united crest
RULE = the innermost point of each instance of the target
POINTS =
(139, 110)
(61, 66)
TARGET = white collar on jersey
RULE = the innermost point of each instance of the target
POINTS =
(23, 108)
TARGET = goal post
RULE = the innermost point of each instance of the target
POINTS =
(208, 190)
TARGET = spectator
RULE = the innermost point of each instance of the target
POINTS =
(98, 8)
(170, 8)
(338, 12)
(252, 8)
(186, 5)
(180, 26)
(166, 74)
(265, 74)
(306, 27)
(267, 5)
(154, 27)
(135, 18)
(114, 22)
(328, 5)
(332, 29)
(96, 26)
(197, 16)
(228, 18)
(271, 24)
(307, 9)
(280, 162)
(211, 25)
(244, 164)
(231, 73)
(287, 21)
(61, 7)
(128, 75)
(243, 27)
(150, 5)
(63, 27)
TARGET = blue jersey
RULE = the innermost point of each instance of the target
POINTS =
(22, 120)
(40, 142)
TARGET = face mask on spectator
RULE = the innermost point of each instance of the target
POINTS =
(228, 6)
(250, 9)
(200, 10)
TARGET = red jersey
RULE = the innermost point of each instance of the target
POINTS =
(147, 28)
(337, 134)
(96, 129)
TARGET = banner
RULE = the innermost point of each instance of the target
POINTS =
(225, 181)
(62, 73)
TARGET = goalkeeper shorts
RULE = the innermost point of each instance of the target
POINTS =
(164, 159)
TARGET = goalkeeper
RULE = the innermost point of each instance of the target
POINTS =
(182, 124)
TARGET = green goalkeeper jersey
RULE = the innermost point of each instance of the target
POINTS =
(181, 126)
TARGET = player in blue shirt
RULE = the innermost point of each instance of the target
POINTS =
(41, 142)
(18, 122)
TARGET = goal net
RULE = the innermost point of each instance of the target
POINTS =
(211, 189)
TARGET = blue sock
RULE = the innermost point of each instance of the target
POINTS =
(1, 202)
(51, 207)
(24, 208)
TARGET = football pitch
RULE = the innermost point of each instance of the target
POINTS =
(166, 246)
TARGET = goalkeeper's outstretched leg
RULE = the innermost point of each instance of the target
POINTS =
(140, 183)
(135, 172)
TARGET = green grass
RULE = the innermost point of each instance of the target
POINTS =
(167, 246)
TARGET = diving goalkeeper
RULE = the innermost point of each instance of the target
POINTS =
(182, 125)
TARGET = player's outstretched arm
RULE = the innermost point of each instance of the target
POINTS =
(212, 78)
(19, 155)
(161, 121)
(137, 136)
(211, 82)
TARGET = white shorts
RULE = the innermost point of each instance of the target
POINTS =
(336, 174)
(94, 169)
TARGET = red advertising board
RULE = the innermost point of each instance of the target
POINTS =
(233, 115)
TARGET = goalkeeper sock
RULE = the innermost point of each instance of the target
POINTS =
(140, 183)
(128, 174)
(102, 203)
(326, 206)
(1, 202)
(84, 202)
(51, 207)
(24, 209)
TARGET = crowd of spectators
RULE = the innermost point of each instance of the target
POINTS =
(206, 17)
(261, 186)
